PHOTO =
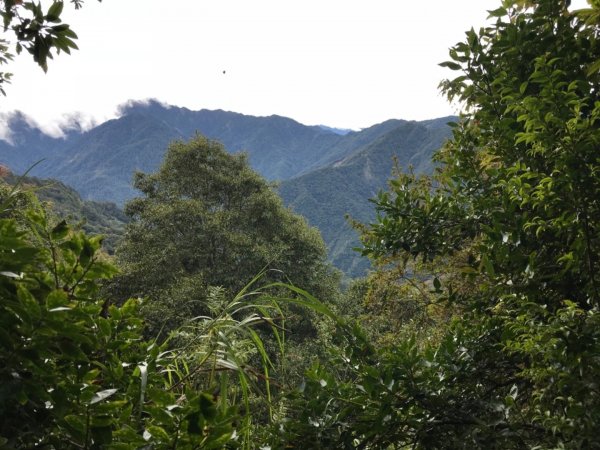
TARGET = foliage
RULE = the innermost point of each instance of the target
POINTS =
(37, 30)
(505, 233)
(515, 206)
(206, 219)
(75, 371)
(408, 395)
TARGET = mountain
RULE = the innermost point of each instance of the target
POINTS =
(99, 163)
(326, 195)
(278, 147)
(27, 143)
(324, 173)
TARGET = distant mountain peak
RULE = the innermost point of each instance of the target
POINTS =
(16, 126)
(144, 105)
(14, 123)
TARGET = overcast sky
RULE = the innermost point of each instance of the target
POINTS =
(343, 63)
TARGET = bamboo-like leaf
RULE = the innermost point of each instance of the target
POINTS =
(12, 275)
(102, 395)
(223, 363)
(143, 368)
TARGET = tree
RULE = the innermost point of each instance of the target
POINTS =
(206, 219)
(517, 196)
(75, 371)
(520, 181)
(37, 30)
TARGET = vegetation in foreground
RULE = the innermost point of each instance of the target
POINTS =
(481, 321)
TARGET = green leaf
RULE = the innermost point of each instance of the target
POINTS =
(104, 327)
(76, 425)
(207, 406)
(72, 351)
(159, 433)
(59, 28)
(60, 230)
(500, 12)
(523, 87)
(31, 304)
(87, 252)
(102, 395)
(55, 11)
(112, 407)
(451, 65)
(593, 68)
(101, 420)
(195, 423)
(488, 266)
(57, 298)
(89, 377)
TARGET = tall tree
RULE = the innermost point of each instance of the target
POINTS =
(516, 206)
(519, 185)
(207, 219)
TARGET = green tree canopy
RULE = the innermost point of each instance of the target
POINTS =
(207, 219)
(515, 207)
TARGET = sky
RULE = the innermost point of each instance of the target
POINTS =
(341, 63)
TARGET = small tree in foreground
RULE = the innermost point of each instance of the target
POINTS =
(74, 372)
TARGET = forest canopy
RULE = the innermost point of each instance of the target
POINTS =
(205, 218)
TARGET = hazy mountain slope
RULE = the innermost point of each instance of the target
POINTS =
(352, 142)
(27, 146)
(100, 163)
(326, 195)
(278, 147)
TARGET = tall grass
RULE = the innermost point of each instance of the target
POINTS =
(226, 352)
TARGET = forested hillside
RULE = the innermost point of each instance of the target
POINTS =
(100, 163)
(327, 195)
(99, 218)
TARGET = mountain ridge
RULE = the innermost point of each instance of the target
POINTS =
(321, 174)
